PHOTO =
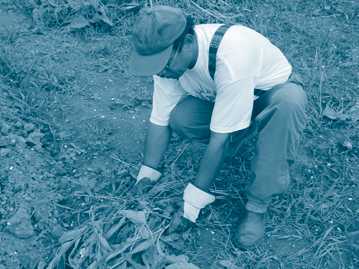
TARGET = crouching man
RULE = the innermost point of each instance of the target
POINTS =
(219, 84)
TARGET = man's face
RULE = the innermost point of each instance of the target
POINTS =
(176, 65)
(180, 61)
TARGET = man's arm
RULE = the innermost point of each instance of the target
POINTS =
(212, 160)
(157, 140)
(196, 196)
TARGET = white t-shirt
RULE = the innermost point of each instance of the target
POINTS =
(246, 60)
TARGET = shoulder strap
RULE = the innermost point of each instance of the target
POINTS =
(213, 48)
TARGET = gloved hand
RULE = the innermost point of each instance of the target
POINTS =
(194, 200)
(146, 178)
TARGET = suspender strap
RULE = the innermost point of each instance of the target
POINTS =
(213, 48)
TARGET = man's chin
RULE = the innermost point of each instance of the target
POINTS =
(173, 76)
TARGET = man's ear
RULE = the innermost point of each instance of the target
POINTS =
(188, 40)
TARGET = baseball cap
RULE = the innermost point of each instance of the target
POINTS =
(153, 35)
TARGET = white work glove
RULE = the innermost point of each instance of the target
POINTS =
(147, 177)
(194, 200)
(148, 172)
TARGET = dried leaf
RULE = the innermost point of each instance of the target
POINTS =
(143, 246)
(79, 22)
(128, 6)
(114, 228)
(347, 144)
(74, 3)
(124, 246)
(62, 262)
(72, 262)
(95, 3)
(52, 3)
(118, 262)
(354, 112)
(152, 259)
(144, 232)
(177, 259)
(170, 238)
(333, 115)
(104, 242)
(93, 265)
(106, 19)
(64, 247)
(176, 222)
(132, 262)
(137, 217)
(146, 104)
(179, 245)
(330, 113)
(182, 266)
(228, 264)
(342, 116)
(71, 235)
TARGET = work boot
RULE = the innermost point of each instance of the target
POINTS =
(250, 230)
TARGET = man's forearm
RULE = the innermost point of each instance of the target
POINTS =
(157, 140)
(212, 161)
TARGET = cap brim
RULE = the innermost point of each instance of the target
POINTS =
(142, 65)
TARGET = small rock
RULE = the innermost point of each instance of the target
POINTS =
(30, 143)
(29, 127)
(18, 124)
(346, 144)
(38, 148)
(27, 157)
(6, 141)
(23, 133)
(20, 148)
(35, 138)
(5, 128)
(20, 139)
(4, 152)
(64, 183)
(19, 225)
(16, 139)
(60, 171)
(41, 265)
(169, 209)
(25, 260)
(2, 211)
(57, 230)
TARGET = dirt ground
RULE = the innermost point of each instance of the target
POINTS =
(53, 172)
(33, 175)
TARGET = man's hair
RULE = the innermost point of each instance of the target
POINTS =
(188, 30)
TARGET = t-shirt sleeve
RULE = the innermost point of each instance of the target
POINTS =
(237, 69)
(167, 93)
(233, 106)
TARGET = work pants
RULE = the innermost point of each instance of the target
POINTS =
(278, 118)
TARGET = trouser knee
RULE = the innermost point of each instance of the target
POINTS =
(178, 123)
(291, 100)
(191, 119)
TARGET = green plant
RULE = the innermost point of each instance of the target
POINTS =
(76, 14)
